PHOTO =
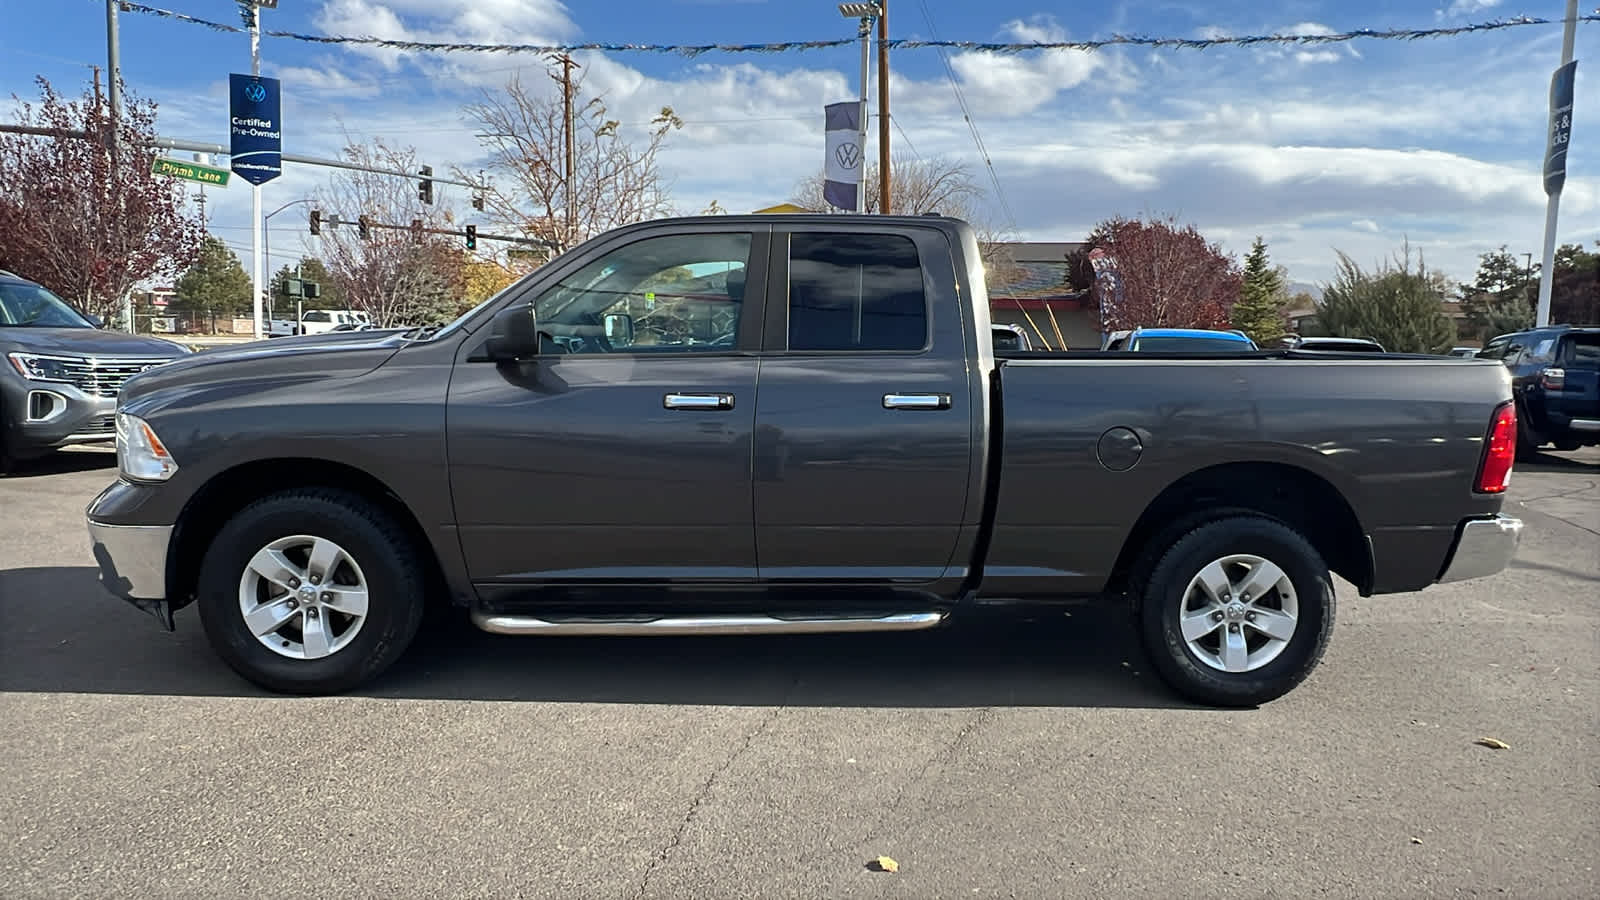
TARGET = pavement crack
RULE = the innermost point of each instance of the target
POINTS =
(704, 793)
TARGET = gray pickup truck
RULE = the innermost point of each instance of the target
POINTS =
(787, 424)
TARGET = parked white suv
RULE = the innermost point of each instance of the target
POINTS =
(318, 321)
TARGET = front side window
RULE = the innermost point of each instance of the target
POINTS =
(856, 292)
(679, 293)
(29, 305)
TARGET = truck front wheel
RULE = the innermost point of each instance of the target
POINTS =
(311, 592)
(1237, 612)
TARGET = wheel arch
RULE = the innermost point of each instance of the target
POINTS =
(1294, 495)
(230, 490)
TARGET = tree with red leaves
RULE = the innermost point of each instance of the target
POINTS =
(87, 218)
(1160, 274)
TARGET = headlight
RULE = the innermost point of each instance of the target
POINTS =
(34, 367)
(140, 454)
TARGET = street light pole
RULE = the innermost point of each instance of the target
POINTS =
(259, 231)
(861, 186)
(1553, 192)
(866, 12)
(114, 65)
(266, 243)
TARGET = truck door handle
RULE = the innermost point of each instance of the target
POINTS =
(698, 401)
(916, 401)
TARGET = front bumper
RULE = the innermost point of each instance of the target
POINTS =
(133, 564)
(65, 415)
(1482, 548)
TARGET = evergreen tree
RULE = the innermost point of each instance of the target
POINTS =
(1262, 297)
(216, 283)
(311, 269)
(1396, 306)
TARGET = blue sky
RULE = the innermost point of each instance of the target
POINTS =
(1355, 146)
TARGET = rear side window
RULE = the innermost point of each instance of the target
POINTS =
(1581, 351)
(856, 292)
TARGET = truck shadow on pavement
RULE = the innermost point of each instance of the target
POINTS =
(62, 463)
(1557, 463)
(64, 633)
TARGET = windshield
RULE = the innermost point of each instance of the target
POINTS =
(24, 305)
(1190, 344)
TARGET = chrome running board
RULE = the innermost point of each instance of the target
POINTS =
(703, 624)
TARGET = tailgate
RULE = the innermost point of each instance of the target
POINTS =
(1579, 360)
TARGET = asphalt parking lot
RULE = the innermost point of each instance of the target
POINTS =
(1028, 759)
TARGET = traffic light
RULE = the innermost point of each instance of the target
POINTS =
(316, 221)
(365, 227)
(477, 201)
(472, 237)
(312, 290)
(425, 186)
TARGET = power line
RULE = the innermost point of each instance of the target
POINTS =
(961, 100)
(1403, 34)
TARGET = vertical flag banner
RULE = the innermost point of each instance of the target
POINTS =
(842, 172)
(1560, 128)
(256, 138)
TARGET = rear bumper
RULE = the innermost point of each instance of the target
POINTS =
(1482, 548)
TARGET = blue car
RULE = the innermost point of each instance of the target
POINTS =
(1179, 340)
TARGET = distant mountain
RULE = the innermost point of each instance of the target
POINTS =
(1296, 287)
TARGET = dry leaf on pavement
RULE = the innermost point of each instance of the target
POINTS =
(883, 864)
(1493, 742)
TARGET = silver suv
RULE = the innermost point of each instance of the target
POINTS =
(60, 371)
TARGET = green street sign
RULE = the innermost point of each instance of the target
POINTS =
(177, 168)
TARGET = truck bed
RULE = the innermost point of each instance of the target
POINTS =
(1090, 441)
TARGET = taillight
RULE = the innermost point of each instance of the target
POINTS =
(1553, 379)
(1494, 472)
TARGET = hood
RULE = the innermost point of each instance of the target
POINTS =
(86, 342)
(264, 364)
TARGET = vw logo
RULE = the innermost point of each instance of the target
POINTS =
(255, 92)
(848, 155)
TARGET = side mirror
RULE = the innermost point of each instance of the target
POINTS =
(513, 334)
(619, 329)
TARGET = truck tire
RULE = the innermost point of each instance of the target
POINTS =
(311, 591)
(1236, 612)
(1528, 440)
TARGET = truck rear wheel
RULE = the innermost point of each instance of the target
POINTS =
(311, 592)
(1237, 612)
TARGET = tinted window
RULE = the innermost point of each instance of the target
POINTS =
(856, 292)
(1350, 346)
(1581, 351)
(676, 293)
(316, 315)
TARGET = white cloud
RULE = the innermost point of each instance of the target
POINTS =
(1465, 7)
(1239, 142)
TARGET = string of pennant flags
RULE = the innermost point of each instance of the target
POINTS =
(692, 50)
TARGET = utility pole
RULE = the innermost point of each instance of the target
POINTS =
(258, 227)
(883, 108)
(1557, 138)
